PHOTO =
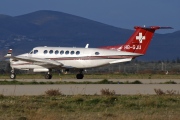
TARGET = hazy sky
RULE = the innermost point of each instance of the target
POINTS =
(119, 13)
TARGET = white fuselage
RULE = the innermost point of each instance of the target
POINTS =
(72, 57)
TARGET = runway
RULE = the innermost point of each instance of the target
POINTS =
(90, 89)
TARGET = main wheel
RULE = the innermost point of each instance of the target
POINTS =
(79, 76)
(13, 76)
(48, 76)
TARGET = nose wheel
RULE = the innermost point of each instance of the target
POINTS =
(13, 75)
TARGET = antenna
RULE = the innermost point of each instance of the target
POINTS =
(87, 45)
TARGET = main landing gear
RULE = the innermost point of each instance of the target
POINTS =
(48, 75)
(80, 75)
(13, 75)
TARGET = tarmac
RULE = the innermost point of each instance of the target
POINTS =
(147, 88)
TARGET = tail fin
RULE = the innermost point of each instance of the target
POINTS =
(140, 40)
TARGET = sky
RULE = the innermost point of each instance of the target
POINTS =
(119, 13)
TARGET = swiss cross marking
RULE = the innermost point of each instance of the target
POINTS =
(140, 38)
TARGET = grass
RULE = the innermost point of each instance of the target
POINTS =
(81, 107)
(33, 82)
(104, 81)
(96, 76)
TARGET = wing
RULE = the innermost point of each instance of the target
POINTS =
(37, 61)
(47, 63)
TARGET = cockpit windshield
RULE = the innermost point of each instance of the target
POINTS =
(35, 51)
(31, 52)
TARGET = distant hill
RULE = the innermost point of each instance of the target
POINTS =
(51, 28)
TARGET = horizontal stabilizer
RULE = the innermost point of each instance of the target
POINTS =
(152, 27)
(9, 54)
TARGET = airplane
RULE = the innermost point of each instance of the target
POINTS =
(44, 59)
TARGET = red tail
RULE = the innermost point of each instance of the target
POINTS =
(139, 41)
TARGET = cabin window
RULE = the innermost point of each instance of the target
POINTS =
(56, 52)
(45, 51)
(35, 51)
(77, 52)
(67, 52)
(51, 52)
(72, 52)
(61, 52)
(97, 53)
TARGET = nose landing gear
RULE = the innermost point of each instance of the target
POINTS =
(13, 75)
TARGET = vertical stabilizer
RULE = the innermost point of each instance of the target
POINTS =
(140, 40)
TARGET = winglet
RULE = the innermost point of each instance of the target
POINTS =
(9, 54)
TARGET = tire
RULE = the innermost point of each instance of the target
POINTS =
(48, 76)
(79, 76)
(13, 76)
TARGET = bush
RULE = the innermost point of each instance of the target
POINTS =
(107, 92)
(105, 81)
(53, 92)
(168, 92)
(159, 92)
(170, 82)
(171, 92)
(136, 82)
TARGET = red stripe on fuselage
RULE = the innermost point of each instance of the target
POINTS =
(93, 57)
